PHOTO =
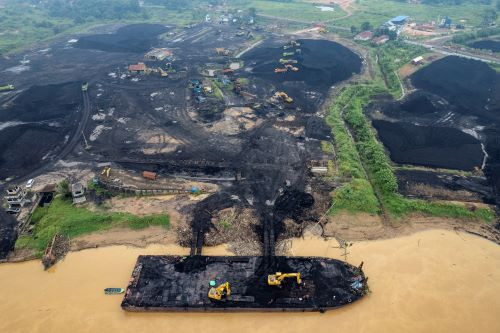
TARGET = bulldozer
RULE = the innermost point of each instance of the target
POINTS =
(284, 96)
(276, 279)
(105, 172)
(217, 293)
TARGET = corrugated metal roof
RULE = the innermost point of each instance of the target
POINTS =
(399, 18)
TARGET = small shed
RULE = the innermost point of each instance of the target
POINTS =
(418, 60)
(364, 36)
(149, 175)
(138, 68)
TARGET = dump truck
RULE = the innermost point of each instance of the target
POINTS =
(8, 87)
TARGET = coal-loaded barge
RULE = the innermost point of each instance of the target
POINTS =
(250, 283)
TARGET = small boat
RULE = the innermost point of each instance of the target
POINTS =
(114, 291)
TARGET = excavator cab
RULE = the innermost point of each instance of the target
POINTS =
(105, 172)
(217, 293)
(276, 279)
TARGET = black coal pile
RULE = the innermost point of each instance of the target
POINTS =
(317, 128)
(8, 233)
(444, 186)
(440, 147)
(135, 38)
(487, 44)
(455, 97)
(37, 125)
(321, 64)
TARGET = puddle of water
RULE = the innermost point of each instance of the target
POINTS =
(434, 281)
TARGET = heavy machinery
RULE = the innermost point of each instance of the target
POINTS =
(85, 86)
(105, 172)
(217, 293)
(8, 87)
(284, 96)
(276, 279)
(293, 68)
(288, 54)
(288, 61)
(280, 70)
(162, 72)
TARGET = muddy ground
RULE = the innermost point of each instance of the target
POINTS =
(453, 117)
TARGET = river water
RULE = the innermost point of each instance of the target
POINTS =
(432, 281)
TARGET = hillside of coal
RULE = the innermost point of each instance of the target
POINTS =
(36, 125)
(135, 38)
(449, 121)
(487, 44)
(321, 64)
(439, 147)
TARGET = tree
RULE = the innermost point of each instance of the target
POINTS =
(489, 17)
(354, 29)
(366, 26)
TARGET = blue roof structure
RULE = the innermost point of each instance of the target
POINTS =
(399, 19)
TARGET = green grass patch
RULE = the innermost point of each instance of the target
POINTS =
(391, 57)
(355, 196)
(64, 218)
(293, 10)
(400, 206)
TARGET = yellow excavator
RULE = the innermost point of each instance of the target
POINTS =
(284, 96)
(217, 293)
(106, 171)
(276, 279)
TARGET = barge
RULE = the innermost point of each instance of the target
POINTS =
(249, 283)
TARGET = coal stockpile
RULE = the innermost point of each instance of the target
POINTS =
(36, 125)
(472, 86)
(135, 38)
(445, 186)
(8, 233)
(172, 283)
(321, 63)
(439, 147)
(487, 44)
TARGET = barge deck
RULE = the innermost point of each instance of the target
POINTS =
(175, 283)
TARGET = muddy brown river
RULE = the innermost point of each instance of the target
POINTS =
(432, 281)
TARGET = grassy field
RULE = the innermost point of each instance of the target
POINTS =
(295, 10)
(379, 11)
(356, 194)
(64, 218)
(393, 56)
